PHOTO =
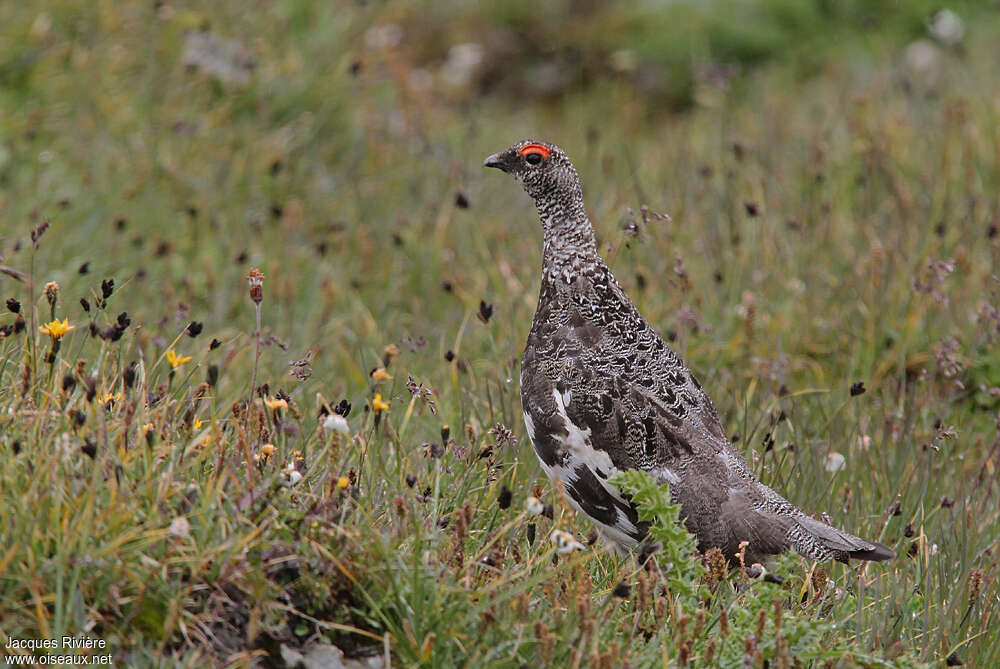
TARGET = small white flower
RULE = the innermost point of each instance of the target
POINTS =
(565, 542)
(180, 527)
(533, 506)
(835, 462)
(947, 27)
(334, 422)
(291, 475)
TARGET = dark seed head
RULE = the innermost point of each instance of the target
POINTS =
(89, 447)
(461, 201)
(485, 311)
(411, 480)
(503, 501)
(858, 388)
(621, 590)
(214, 345)
(193, 329)
(37, 233)
(128, 376)
(13, 305)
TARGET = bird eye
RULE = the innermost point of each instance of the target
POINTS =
(533, 158)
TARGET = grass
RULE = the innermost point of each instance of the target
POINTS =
(823, 232)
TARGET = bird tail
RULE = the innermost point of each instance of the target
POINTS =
(817, 540)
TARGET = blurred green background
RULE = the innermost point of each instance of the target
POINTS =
(830, 173)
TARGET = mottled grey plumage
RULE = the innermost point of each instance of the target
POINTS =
(601, 392)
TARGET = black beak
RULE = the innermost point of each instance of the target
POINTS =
(497, 161)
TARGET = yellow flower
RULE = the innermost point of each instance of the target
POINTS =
(198, 424)
(379, 405)
(267, 450)
(176, 360)
(343, 482)
(276, 404)
(110, 397)
(380, 375)
(56, 329)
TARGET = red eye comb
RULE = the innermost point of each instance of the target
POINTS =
(536, 148)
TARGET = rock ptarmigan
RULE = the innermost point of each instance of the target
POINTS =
(601, 393)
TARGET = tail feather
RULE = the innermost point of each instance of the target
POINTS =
(876, 554)
(843, 544)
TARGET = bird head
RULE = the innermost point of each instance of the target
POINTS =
(543, 170)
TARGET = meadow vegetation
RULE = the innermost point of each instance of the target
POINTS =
(804, 198)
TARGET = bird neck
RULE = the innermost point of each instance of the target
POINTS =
(567, 233)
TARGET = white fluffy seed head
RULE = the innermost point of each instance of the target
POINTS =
(334, 422)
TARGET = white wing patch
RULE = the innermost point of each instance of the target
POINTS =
(618, 536)
(579, 453)
(578, 442)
